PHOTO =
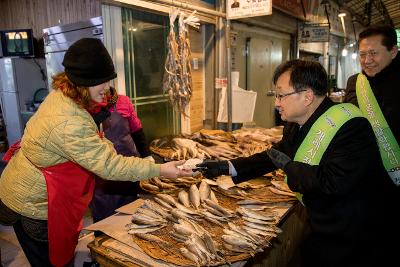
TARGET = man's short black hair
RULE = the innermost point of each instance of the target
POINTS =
(387, 32)
(304, 74)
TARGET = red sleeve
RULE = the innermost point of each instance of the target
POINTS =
(126, 109)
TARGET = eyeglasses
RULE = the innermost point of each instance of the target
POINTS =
(280, 96)
(371, 53)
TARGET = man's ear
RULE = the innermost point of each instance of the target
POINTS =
(309, 97)
(394, 51)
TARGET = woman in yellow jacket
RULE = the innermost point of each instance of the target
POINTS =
(48, 182)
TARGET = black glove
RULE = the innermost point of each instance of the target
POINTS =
(278, 158)
(213, 168)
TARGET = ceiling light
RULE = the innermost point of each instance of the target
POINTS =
(354, 55)
(342, 13)
(344, 52)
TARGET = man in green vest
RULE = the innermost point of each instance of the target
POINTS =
(336, 168)
(376, 92)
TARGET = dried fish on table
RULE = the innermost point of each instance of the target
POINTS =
(194, 196)
(189, 255)
(204, 190)
(281, 185)
(183, 197)
(167, 198)
(280, 192)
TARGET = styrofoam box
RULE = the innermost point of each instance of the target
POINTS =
(243, 104)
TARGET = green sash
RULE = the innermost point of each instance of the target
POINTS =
(322, 132)
(388, 146)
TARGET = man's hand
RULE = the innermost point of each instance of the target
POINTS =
(278, 158)
(213, 168)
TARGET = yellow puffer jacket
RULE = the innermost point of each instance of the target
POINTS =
(62, 131)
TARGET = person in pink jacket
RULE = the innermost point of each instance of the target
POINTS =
(123, 128)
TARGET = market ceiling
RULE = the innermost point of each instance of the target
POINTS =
(373, 12)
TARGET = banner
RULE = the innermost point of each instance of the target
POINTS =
(310, 33)
(236, 9)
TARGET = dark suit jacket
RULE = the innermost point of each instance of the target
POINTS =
(343, 195)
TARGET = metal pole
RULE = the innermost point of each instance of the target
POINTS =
(228, 75)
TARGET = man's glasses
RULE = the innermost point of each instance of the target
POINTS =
(370, 53)
(280, 96)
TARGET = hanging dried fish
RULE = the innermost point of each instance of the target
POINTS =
(177, 80)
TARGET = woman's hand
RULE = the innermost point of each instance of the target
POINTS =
(171, 170)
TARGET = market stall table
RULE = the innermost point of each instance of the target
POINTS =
(116, 248)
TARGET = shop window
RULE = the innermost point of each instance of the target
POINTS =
(145, 39)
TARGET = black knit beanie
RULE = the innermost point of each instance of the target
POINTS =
(87, 63)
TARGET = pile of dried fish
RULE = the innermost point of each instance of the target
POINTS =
(270, 135)
(216, 144)
(157, 185)
(178, 148)
(177, 80)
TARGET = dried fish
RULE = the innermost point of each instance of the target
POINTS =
(280, 192)
(149, 213)
(160, 184)
(204, 190)
(238, 242)
(218, 207)
(183, 197)
(179, 237)
(167, 198)
(185, 209)
(281, 185)
(145, 230)
(254, 220)
(137, 226)
(155, 207)
(210, 182)
(142, 219)
(178, 214)
(194, 196)
(213, 211)
(258, 231)
(150, 187)
(190, 256)
(266, 228)
(256, 215)
(213, 197)
(162, 203)
(213, 220)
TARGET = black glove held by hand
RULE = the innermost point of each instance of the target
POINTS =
(278, 158)
(213, 168)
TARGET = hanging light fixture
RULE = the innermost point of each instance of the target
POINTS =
(341, 13)
(345, 52)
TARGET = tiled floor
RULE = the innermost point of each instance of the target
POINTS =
(13, 256)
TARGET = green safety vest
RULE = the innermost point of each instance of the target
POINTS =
(388, 146)
(322, 132)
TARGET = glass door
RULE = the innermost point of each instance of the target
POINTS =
(145, 43)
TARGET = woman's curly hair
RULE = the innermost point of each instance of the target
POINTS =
(79, 94)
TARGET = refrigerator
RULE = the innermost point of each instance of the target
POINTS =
(59, 38)
(20, 78)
